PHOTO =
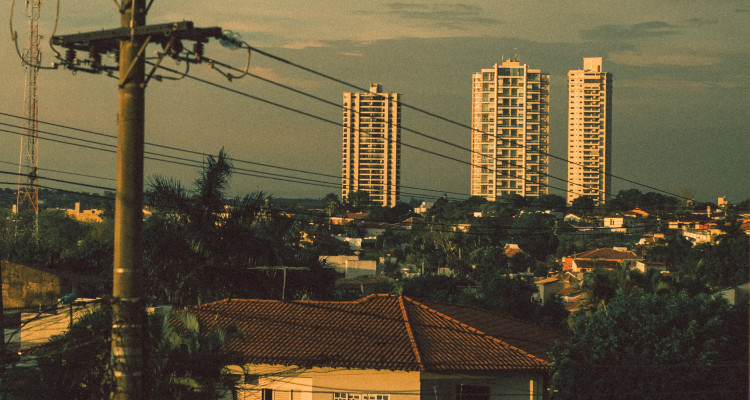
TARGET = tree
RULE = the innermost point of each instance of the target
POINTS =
(199, 244)
(186, 358)
(548, 202)
(357, 201)
(583, 204)
(489, 258)
(655, 347)
(332, 205)
(630, 198)
(534, 233)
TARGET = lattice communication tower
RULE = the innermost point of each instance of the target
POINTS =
(28, 178)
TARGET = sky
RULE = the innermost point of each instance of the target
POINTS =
(681, 78)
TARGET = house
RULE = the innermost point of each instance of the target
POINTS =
(351, 266)
(697, 236)
(644, 266)
(92, 215)
(624, 224)
(547, 287)
(599, 258)
(426, 205)
(380, 347)
(737, 294)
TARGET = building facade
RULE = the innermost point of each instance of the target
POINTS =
(589, 131)
(510, 131)
(371, 153)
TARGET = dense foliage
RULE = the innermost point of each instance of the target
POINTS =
(655, 347)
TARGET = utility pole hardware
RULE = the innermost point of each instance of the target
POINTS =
(128, 43)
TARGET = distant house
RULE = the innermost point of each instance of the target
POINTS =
(644, 266)
(624, 224)
(600, 258)
(381, 347)
(697, 236)
(548, 287)
(84, 215)
(426, 205)
(351, 266)
(736, 295)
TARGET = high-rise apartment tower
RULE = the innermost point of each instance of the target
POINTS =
(371, 153)
(589, 131)
(510, 131)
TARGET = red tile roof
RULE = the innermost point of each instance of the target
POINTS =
(607, 254)
(375, 332)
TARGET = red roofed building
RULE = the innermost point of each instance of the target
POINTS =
(599, 258)
(380, 347)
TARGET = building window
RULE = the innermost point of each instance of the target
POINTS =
(266, 394)
(472, 392)
(360, 396)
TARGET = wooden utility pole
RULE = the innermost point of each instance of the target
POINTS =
(129, 338)
(128, 307)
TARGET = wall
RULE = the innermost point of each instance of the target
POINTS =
(26, 287)
(321, 383)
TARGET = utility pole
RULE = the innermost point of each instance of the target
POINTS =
(129, 338)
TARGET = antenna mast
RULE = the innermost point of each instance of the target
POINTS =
(28, 179)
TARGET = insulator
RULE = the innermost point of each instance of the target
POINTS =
(230, 40)
(198, 49)
(70, 57)
(96, 58)
(175, 47)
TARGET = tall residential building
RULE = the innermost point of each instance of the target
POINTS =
(371, 154)
(589, 131)
(510, 131)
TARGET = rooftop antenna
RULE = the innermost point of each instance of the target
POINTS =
(516, 57)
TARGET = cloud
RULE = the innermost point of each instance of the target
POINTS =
(703, 21)
(639, 59)
(668, 82)
(628, 32)
(303, 45)
(272, 75)
(454, 16)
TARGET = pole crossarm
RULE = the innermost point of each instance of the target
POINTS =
(109, 39)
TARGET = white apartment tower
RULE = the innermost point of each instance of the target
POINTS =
(589, 131)
(509, 131)
(371, 153)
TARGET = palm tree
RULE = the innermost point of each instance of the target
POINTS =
(187, 358)
(199, 243)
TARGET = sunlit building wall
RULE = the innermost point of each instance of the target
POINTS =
(371, 153)
(510, 131)
(589, 131)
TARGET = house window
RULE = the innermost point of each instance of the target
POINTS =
(472, 392)
(360, 396)
(266, 394)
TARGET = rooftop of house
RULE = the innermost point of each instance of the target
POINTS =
(607, 254)
(379, 332)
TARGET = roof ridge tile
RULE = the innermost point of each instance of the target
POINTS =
(471, 328)
(409, 332)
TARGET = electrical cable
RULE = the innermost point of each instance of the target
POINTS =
(423, 111)
(473, 152)
(304, 113)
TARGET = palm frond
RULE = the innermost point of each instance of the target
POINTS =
(166, 194)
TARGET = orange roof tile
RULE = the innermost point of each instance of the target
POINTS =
(375, 332)
(607, 254)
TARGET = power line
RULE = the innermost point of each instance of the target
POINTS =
(445, 119)
(113, 148)
(307, 114)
